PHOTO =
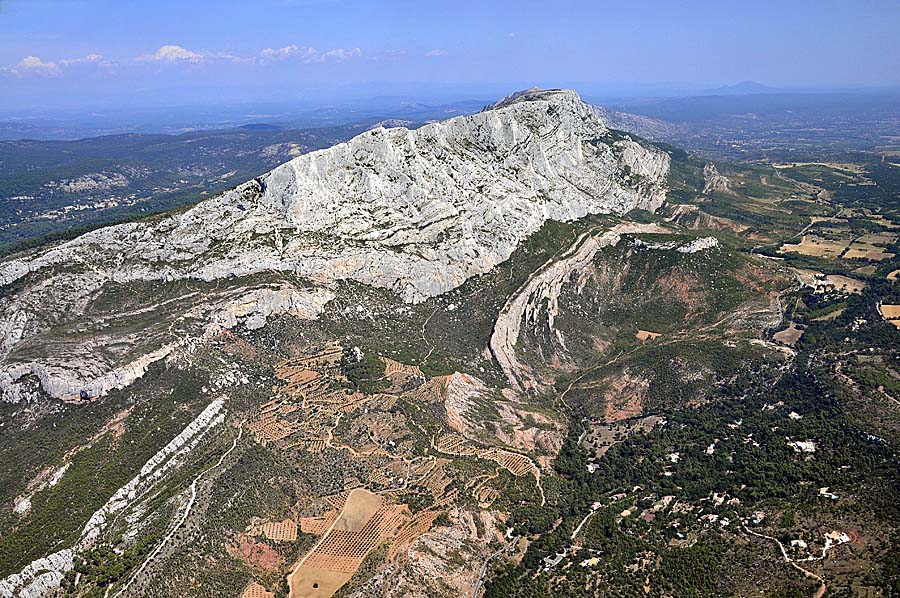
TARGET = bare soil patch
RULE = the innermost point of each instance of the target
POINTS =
(624, 397)
(643, 335)
(309, 582)
(255, 554)
(789, 336)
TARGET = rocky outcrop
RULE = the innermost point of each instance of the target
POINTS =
(73, 373)
(516, 424)
(540, 294)
(713, 182)
(646, 127)
(418, 212)
(692, 217)
(62, 382)
(253, 309)
(42, 577)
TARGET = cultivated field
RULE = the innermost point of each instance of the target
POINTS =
(365, 522)
(890, 312)
(254, 590)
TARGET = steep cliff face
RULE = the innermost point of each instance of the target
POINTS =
(417, 212)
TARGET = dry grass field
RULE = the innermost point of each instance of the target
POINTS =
(865, 251)
(835, 314)
(789, 336)
(814, 246)
(845, 283)
(890, 312)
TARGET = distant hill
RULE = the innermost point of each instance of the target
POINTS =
(260, 127)
(743, 88)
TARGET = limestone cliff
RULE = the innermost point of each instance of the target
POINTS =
(415, 211)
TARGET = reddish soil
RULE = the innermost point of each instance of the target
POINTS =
(624, 398)
(255, 554)
(756, 277)
(237, 346)
(684, 287)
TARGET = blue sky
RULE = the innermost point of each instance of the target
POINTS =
(82, 52)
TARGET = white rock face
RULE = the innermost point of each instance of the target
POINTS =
(713, 181)
(42, 577)
(418, 212)
(543, 289)
(253, 309)
(468, 189)
(694, 246)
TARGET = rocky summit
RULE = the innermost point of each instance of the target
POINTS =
(417, 212)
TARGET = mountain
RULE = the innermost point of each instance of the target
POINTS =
(417, 212)
(514, 353)
(59, 187)
(646, 127)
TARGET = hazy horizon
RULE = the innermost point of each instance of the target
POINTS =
(81, 54)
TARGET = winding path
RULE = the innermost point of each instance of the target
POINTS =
(822, 588)
(506, 548)
(184, 516)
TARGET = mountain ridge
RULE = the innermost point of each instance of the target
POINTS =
(417, 212)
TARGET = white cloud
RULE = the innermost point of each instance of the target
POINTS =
(436, 53)
(32, 65)
(35, 66)
(307, 55)
(290, 51)
(175, 54)
(341, 54)
(95, 59)
(172, 53)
